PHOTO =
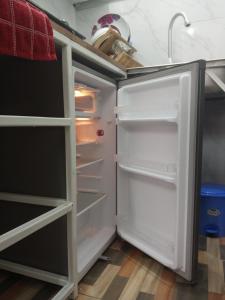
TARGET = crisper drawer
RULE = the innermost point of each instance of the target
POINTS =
(93, 233)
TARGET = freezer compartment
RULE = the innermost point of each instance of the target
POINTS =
(88, 95)
(86, 99)
(145, 217)
(94, 231)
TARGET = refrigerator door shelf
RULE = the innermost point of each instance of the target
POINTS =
(149, 113)
(161, 171)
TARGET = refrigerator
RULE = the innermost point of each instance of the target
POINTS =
(138, 162)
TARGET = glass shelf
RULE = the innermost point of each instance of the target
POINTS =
(87, 200)
(83, 163)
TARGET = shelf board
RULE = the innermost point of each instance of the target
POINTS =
(16, 121)
(20, 232)
(31, 199)
(33, 272)
(82, 114)
(169, 177)
(86, 200)
(83, 163)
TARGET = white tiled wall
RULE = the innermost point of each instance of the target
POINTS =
(149, 21)
(62, 9)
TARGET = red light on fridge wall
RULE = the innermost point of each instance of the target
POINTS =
(100, 132)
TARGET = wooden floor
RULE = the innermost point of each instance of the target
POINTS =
(131, 275)
(16, 287)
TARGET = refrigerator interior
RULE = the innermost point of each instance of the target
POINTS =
(95, 99)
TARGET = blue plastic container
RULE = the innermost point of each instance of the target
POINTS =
(212, 210)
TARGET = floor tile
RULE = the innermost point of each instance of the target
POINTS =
(222, 252)
(215, 275)
(129, 263)
(117, 244)
(145, 296)
(152, 279)
(135, 280)
(22, 290)
(213, 247)
(115, 289)
(199, 291)
(203, 257)
(94, 273)
(215, 296)
(46, 292)
(131, 275)
(116, 257)
(102, 283)
(84, 297)
(202, 243)
(166, 287)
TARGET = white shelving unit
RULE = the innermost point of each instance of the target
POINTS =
(54, 208)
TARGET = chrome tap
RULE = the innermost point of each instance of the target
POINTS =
(186, 23)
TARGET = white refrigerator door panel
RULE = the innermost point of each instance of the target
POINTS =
(157, 141)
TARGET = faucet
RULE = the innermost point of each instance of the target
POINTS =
(186, 23)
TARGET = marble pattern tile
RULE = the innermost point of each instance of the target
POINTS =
(60, 9)
(149, 19)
